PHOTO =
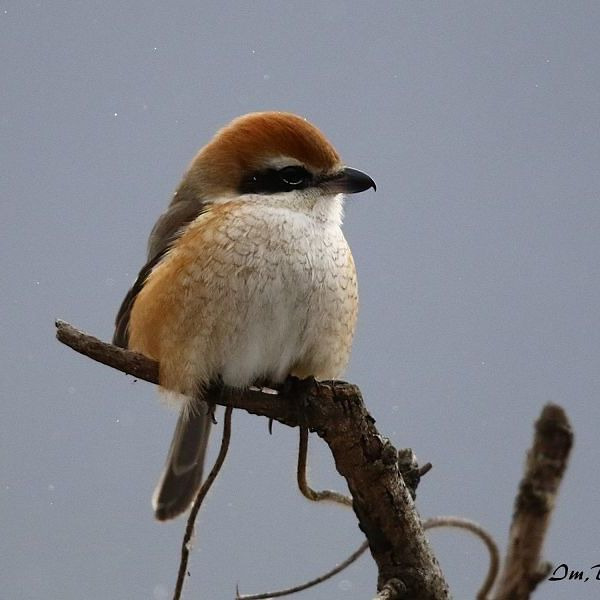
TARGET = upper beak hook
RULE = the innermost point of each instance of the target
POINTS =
(350, 181)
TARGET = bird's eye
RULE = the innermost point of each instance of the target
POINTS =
(294, 176)
(276, 181)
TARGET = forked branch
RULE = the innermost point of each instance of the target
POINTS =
(382, 501)
(373, 471)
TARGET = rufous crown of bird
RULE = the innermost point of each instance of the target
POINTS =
(248, 279)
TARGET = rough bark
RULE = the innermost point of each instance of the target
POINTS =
(368, 461)
(544, 468)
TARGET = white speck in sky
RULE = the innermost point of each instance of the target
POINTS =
(160, 592)
(116, 114)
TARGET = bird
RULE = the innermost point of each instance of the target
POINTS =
(248, 279)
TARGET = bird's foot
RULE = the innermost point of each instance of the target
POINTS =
(210, 410)
(302, 391)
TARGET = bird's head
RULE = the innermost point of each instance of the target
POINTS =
(273, 154)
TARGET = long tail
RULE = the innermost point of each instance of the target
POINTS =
(182, 476)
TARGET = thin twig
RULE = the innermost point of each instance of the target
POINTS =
(328, 495)
(484, 536)
(304, 586)
(307, 491)
(544, 469)
(189, 530)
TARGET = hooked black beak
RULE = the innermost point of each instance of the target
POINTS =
(349, 181)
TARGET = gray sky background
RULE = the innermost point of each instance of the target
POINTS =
(478, 260)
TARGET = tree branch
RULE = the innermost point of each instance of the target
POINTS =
(545, 465)
(126, 361)
(369, 462)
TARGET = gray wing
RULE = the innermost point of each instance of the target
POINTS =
(167, 229)
(182, 475)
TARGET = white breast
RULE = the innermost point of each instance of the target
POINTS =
(254, 289)
(295, 299)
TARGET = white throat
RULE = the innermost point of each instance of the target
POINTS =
(311, 202)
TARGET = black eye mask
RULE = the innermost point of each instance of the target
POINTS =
(272, 181)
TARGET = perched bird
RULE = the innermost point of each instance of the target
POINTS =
(249, 278)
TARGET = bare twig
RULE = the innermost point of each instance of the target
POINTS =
(328, 495)
(337, 569)
(307, 491)
(484, 536)
(368, 461)
(393, 589)
(129, 362)
(545, 465)
(189, 530)
(314, 496)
